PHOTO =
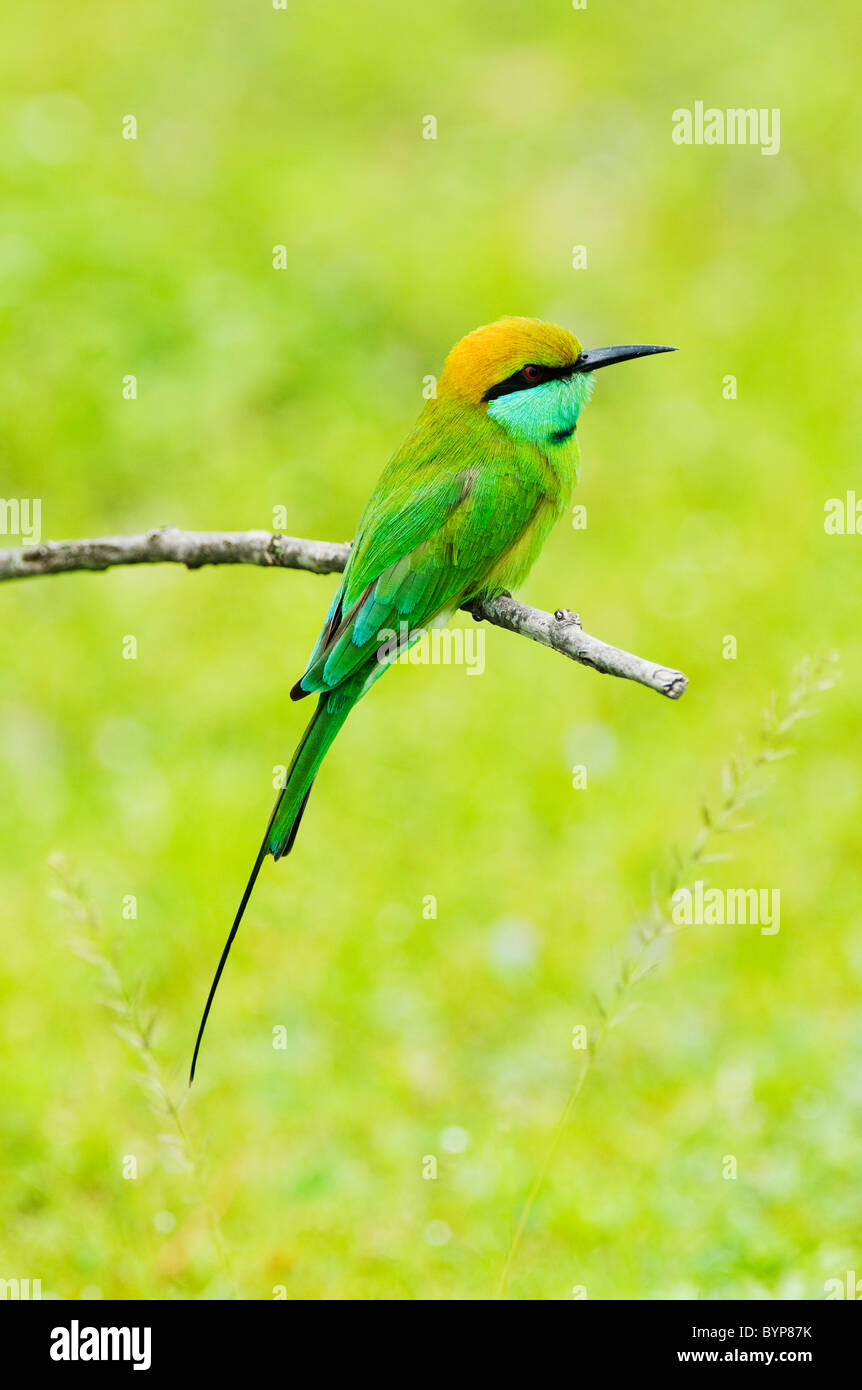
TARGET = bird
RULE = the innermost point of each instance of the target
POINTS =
(459, 515)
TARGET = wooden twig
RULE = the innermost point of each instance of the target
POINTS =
(561, 631)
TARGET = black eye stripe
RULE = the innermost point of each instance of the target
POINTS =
(517, 381)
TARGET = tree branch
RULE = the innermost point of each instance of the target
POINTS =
(561, 631)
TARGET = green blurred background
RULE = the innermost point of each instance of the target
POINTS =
(407, 1037)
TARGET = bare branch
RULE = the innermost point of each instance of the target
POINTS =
(561, 631)
(190, 548)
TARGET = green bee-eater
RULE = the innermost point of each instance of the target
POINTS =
(460, 513)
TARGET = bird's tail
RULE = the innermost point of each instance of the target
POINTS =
(331, 712)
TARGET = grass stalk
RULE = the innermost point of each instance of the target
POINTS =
(741, 780)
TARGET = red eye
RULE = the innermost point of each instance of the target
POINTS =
(532, 374)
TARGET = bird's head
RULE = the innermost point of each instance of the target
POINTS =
(531, 377)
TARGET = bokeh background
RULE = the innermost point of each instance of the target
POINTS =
(407, 1037)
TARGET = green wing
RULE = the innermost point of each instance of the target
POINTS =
(439, 522)
(430, 535)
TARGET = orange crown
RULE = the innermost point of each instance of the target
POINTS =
(490, 354)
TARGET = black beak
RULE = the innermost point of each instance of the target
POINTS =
(593, 358)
